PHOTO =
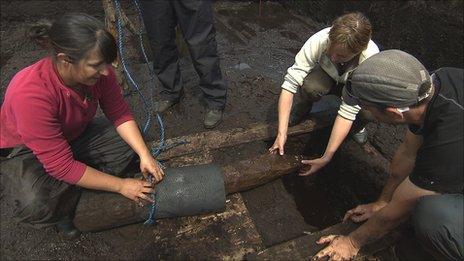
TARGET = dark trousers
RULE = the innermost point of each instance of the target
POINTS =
(317, 84)
(41, 200)
(438, 226)
(195, 19)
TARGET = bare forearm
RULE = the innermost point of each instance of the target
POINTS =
(400, 167)
(376, 227)
(285, 106)
(339, 132)
(94, 179)
(396, 211)
(130, 133)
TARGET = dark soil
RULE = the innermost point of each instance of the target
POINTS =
(256, 44)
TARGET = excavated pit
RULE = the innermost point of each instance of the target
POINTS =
(256, 43)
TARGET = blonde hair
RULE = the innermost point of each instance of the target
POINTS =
(352, 31)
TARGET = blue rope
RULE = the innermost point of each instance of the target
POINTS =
(126, 70)
(147, 106)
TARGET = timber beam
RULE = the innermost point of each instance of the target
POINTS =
(220, 139)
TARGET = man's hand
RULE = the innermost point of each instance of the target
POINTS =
(364, 212)
(136, 190)
(149, 165)
(339, 248)
(279, 144)
(313, 165)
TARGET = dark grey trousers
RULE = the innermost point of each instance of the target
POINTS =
(195, 19)
(439, 226)
(41, 200)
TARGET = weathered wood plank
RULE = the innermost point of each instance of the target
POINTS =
(305, 247)
(224, 236)
(302, 248)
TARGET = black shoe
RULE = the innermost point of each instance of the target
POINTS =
(213, 118)
(68, 230)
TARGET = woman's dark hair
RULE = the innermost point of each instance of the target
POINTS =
(75, 34)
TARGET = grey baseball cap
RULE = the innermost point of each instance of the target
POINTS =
(391, 78)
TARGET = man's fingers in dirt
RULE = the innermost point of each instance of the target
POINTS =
(324, 252)
(348, 214)
(334, 257)
(326, 239)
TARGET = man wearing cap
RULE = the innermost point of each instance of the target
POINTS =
(425, 186)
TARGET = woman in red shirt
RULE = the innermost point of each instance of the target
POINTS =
(48, 118)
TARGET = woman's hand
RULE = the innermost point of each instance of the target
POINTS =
(313, 165)
(136, 190)
(279, 144)
(148, 164)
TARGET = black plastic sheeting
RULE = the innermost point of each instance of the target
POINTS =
(191, 190)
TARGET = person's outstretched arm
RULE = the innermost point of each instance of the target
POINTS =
(395, 212)
(285, 106)
(400, 167)
(339, 132)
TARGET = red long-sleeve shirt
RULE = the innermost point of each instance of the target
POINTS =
(45, 115)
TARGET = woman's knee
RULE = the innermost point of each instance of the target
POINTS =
(317, 84)
(33, 208)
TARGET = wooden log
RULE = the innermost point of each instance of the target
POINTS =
(100, 210)
(255, 132)
(305, 247)
(251, 173)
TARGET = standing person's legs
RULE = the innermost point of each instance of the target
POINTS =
(316, 84)
(160, 22)
(41, 200)
(438, 223)
(196, 20)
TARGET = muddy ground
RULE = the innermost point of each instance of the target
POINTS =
(256, 43)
